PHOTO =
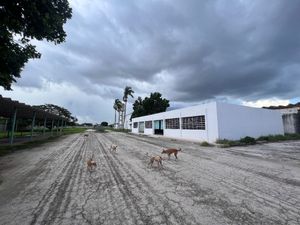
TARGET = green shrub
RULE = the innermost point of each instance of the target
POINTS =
(227, 143)
(248, 140)
(263, 138)
(206, 144)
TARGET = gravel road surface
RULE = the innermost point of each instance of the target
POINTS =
(51, 184)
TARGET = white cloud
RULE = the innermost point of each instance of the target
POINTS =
(86, 107)
(266, 102)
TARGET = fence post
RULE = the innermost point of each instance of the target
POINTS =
(13, 127)
(45, 123)
(32, 125)
(52, 124)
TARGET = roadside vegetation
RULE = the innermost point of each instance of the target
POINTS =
(224, 143)
(6, 148)
(206, 144)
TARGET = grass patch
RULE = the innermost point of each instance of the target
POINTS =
(248, 140)
(206, 144)
(224, 143)
(38, 132)
(276, 138)
(6, 149)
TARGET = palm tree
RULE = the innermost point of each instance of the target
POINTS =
(118, 106)
(115, 108)
(127, 92)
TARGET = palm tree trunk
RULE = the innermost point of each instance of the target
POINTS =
(121, 119)
(115, 118)
(124, 114)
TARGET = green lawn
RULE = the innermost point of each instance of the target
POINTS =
(5, 149)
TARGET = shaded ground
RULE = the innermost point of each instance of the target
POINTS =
(51, 185)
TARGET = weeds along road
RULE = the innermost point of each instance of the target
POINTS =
(51, 184)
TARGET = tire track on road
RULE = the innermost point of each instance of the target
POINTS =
(49, 206)
(229, 210)
(135, 179)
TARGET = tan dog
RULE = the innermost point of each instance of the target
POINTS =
(113, 148)
(171, 151)
(156, 158)
(91, 164)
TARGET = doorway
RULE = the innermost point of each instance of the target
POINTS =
(141, 127)
(159, 127)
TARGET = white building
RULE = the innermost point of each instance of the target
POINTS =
(211, 121)
(128, 123)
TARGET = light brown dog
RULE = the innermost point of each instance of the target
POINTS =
(113, 148)
(156, 158)
(171, 151)
(91, 164)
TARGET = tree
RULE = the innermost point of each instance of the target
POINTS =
(104, 124)
(119, 107)
(60, 111)
(20, 22)
(115, 108)
(127, 92)
(150, 105)
(138, 108)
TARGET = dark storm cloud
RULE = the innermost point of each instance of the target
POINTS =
(206, 49)
(212, 48)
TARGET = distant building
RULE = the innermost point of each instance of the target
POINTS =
(290, 117)
(210, 122)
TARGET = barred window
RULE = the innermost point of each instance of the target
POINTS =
(148, 124)
(135, 125)
(172, 123)
(193, 123)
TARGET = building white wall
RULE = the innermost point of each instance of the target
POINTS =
(235, 121)
(222, 121)
(208, 110)
(127, 124)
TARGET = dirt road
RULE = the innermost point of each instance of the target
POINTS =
(51, 184)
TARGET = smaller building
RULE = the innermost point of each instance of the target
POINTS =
(290, 117)
(210, 122)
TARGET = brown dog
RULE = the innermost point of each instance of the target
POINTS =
(91, 164)
(171, 151)
(156, 158)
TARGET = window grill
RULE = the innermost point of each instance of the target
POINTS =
(148, 124)
(172, 123)
(193, 123)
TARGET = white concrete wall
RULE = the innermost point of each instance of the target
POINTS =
(148, 131)
(291, 123)
(127, 121)
(210, 134)
(235, 121)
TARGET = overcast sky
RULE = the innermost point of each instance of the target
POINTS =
(243, 51)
